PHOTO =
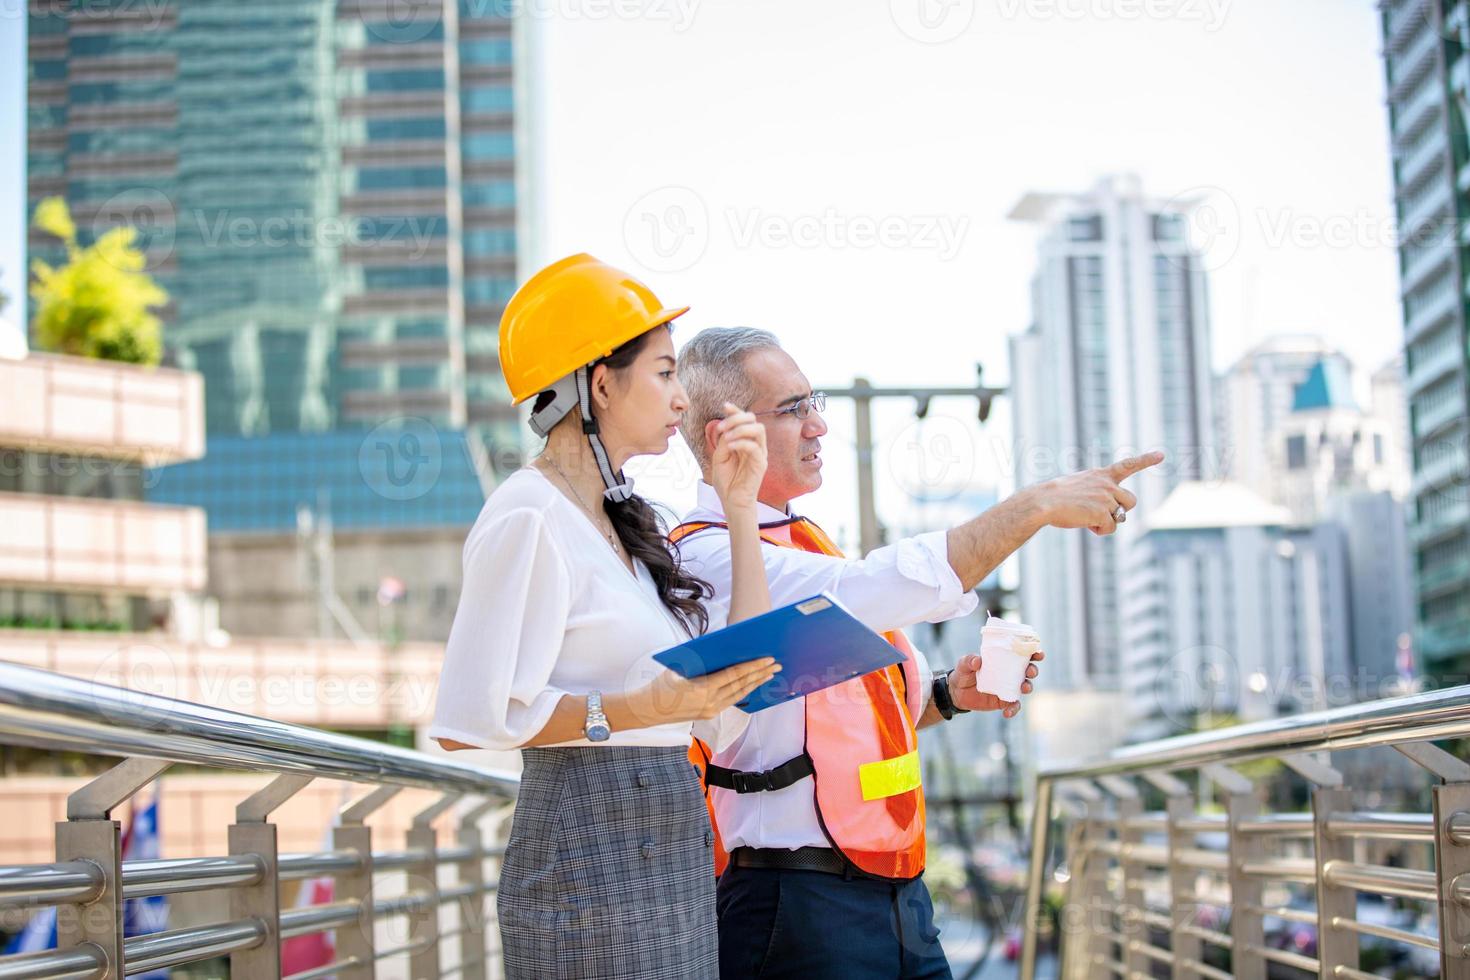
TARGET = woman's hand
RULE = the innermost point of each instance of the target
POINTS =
(739, 462)
(669, 698)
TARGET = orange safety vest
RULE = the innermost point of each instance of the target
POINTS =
(869, 800)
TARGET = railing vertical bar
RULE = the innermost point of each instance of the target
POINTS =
(1183, 908)
(1035, 875)
(354, 940)
(259, 901)
(1247, 929)
(100, 921)
(472, 906)
(424, 924)
(1335, 946)
(1451, 862)
(1131, 911)
(1097, 908)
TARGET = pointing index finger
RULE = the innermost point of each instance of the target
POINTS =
(1123, 469)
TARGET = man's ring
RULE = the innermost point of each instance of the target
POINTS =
(1120, 516)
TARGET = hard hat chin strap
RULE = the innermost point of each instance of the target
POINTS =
(575, 391)
(619, 487)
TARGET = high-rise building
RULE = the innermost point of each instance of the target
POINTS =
(333, 193)
(1428, 75)
(1255, 394)
(1116, 361)
(1327, 446)
(1233, 611)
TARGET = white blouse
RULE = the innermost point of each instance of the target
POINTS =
(548, 609)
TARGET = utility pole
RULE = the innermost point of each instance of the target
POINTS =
(862, 394)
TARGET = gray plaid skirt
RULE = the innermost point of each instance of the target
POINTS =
(609, 869)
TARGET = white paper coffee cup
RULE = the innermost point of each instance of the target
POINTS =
(1005, 651)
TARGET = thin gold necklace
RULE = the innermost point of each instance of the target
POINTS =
(610, 534)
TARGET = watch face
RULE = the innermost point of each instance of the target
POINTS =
(598, 732)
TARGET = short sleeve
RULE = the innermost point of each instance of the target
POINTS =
(494, 689)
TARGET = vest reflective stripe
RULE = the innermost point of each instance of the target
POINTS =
(880, 780)
(869, 800)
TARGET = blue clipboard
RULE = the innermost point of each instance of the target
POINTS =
(817, 642)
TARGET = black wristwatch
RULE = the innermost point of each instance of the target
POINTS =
(943, 700)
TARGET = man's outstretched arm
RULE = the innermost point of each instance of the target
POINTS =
(1088, 499)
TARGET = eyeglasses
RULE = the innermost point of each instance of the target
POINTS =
(815, 402)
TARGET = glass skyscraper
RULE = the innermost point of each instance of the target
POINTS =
(1428, 75)
(327, 189)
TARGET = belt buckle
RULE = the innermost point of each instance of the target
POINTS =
(751, 782)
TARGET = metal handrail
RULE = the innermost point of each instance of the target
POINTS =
(52, 711)
(151, 732)
(1428, 716)
(1112, 827)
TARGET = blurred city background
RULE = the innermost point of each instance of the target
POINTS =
(253, 258)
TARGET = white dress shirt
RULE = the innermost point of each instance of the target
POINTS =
(902, 584)
(549, 609)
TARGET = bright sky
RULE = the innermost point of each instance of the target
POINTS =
(840, 173)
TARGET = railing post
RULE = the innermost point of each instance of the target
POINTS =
(1336, 946)
(1247, 927)
(89, 833)
(1451, 857)
(1451, 862)
(1183, 906)
(355, 941)
(253, 833)
(423, 962)
(1096, 908)
(473, 950)
(1131, 924)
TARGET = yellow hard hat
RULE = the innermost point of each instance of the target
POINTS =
(568, 315)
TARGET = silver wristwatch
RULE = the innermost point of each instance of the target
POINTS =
(596, 728)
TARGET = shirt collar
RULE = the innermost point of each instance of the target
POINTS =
(709, 500)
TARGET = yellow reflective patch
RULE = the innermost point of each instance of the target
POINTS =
(890, 777)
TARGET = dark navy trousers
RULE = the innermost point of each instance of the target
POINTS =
(807, 925)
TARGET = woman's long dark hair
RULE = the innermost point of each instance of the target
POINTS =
(644, 535)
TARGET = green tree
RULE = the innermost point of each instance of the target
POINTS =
(98, 303)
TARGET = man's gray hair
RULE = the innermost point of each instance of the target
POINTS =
(712, 370)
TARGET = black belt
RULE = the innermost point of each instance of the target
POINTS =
(823, 859)
(788, 772)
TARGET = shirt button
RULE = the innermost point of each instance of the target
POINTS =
(643, 779)
(647, 849)
(709, 838)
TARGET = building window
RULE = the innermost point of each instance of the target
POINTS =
(1296, 452)
(1088, 229)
